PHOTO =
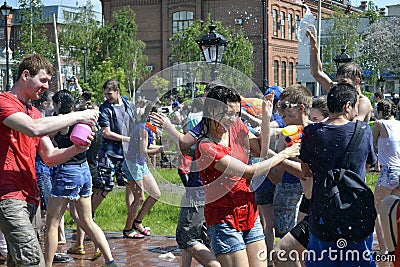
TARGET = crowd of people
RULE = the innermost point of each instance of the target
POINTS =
(246, 181)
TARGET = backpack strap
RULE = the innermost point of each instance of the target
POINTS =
(353, 145)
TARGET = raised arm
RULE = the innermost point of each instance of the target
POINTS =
(315, 61)
(234, 167)
(43, 126)
(265, 135)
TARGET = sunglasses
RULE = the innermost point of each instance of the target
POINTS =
(287, 105)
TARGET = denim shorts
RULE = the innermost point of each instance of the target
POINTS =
(15, 222)
(226, 239)
(134, 171)
(72, 181)
(389, 177)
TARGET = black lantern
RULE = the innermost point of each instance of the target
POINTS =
(84, 50)
(5, 10)
(342, 58)
(381, 83)
(212, 45)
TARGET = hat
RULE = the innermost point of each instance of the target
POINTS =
(276, 89)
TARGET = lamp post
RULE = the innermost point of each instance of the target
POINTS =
(84, 50)
(5, 10)
(342, 58)
(381, 83)
(212, 46)
(264, 57)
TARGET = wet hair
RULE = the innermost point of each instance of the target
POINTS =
(378, 95)
(87, 95)
(34, 63)
(218, 96)
(66, 99)
(387, 107)
(350, 70)
(298, 94)
(112, 85)
(320, 104)
(339, 95)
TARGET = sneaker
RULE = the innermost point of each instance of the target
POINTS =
(79, 250)
(58, 258)
(96, 255)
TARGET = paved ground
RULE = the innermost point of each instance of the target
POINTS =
(146, 252)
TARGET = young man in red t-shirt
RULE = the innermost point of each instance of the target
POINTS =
(23, 132)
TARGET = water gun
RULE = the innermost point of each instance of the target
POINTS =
(293, 133)
(253, 106)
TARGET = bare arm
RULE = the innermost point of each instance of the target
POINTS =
(54, 156)
(364, 109)
(315, 61)
(110, 135)
(43, 126)
(234, 167)
(267, 107)
(376, 133)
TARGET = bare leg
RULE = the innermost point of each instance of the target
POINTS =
(202, 254)
(267, 218)
(84, 210)
(56, 209)
(97, 197)
(379, 194)
(287, 244)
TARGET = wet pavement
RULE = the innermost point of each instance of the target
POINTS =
(151, 251)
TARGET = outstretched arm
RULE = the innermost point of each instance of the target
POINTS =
(315, 61)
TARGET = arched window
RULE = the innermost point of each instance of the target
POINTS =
(181, 20)
(276, 72)
(291, 73)
(283, 73)
(275, 22)
(282, 24)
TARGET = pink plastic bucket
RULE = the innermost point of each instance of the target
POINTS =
(80, 134)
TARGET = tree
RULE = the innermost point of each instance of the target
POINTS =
(80, 30)
(237, 54)
(118, 41)
(33, 31)
(343, 32)
(380, 45)
(100, 74)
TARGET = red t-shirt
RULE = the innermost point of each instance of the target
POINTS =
(17, 154)
(228, 198)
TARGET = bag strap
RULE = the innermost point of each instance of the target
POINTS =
(353, 145)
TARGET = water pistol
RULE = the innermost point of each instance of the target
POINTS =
(293, 133)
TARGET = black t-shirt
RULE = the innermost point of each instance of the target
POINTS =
(63, 141)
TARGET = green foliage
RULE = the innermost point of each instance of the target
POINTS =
(237, 54)
(118, 41)
(80, 31)
(343, 32)
(101, 74)
(33, 31)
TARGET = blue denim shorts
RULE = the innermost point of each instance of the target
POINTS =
(226, 239)
(72, 181)
(389, 177)
(134, 171)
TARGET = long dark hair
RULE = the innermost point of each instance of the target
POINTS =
(387, 107)
(218, 96)
(66, 99)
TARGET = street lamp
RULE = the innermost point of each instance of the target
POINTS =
(381, 83)
(84, 50)
(264, 34)
(5, 10)
(342, 58)
(213, 46)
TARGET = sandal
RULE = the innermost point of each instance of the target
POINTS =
(146, 230)
(96, 255)
(79, 250)
(127, 234)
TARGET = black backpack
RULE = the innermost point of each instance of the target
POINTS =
(344, 202)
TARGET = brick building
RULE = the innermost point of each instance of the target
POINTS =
(157, 20)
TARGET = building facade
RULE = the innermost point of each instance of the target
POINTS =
(158, 20)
